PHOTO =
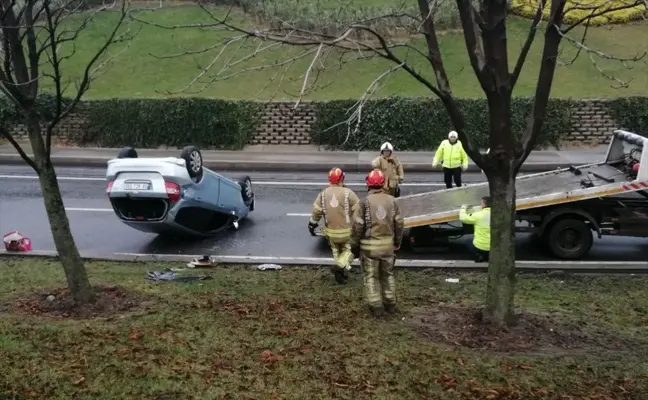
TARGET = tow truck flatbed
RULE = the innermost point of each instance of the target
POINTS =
(567, 185)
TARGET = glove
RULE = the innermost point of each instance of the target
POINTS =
(435, 164)
(464, 167)
(311, 228)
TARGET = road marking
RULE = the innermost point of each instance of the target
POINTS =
(89, 209)
(260, 183)
(60, 178)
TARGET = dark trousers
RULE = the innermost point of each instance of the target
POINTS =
(480, 255)
(452, 173)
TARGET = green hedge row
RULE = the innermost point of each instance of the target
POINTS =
(207, 123)
(631, 113)
(415, 124)
(410, 123)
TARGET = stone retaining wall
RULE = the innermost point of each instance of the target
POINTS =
(283, 124)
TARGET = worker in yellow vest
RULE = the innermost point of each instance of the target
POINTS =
(454, 159)
(481, 220)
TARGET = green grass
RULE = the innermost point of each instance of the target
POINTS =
(206, 340)
(136, 73)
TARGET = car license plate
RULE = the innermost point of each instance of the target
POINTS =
(137, 186)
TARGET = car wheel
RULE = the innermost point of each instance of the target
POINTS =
(127, 152)
(193, 159)
(246, 189)
(570, 239)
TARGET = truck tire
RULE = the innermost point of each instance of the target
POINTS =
(246, 190)
(127, 152)
(193, 159)
(569, 239)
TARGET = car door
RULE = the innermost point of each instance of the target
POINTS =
(206, 192)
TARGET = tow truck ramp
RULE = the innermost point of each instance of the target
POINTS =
(613, 176)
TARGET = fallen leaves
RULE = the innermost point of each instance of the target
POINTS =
(269, 357)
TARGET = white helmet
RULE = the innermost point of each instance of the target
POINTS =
(386, 147)
(453, 135)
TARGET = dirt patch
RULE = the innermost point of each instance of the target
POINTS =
(110, 300)
(463, 326)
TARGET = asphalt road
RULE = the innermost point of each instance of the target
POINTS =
(277, 227)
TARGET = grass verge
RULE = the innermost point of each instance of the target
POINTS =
(138, 72)
(294, 334)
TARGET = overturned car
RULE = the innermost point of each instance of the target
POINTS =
(176, 196)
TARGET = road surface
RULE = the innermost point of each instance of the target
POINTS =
(277, 227)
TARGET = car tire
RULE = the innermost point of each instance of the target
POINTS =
(127, 152)
(579, 234)
(194, 161)
(246, 190)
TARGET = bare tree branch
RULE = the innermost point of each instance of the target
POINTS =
(545, 80)
(19, 149)
(527, 44)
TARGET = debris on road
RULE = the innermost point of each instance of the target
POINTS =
(264, 267)
(157, 276)
(452, 280)
(15, 241)
(204, 262)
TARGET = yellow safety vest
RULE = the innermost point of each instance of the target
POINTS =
(451, 155)
(481, 220)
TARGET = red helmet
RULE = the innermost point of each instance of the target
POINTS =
(336, 176)
(375, 178)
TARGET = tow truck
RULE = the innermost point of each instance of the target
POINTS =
(563, 208)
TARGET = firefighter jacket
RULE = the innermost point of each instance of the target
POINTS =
(377, 225)
(392, 169)
(451, 155)
(481, 220)
(335, 204)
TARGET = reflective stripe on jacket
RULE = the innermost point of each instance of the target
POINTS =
(451, 155)
(392, 169)
(377, 225)
(335, 204)
(481, 220)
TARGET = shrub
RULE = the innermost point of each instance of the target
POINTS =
(149, 123)
(576, 10)
(420, 124)
(631, 113)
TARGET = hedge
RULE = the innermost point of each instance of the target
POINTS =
(410, 123)
(420, 124)
(207, 123)
(630, 113)
(576, 10)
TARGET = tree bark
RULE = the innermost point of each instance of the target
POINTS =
(500, 289)
(75, 273)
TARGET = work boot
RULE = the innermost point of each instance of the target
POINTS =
(376, 312)
(340, 276)
(391, 308)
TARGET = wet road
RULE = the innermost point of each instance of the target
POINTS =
(277, 227)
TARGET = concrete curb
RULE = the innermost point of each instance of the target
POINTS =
(567, 266)
(273, 166)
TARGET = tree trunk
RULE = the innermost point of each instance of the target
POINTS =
(501, 268)
(75, 273)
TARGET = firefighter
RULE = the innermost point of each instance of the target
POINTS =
(481, 219)
(391, 167)
(378, 228)
(336, 204)
(453, 157)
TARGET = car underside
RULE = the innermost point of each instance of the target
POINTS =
(176, 196)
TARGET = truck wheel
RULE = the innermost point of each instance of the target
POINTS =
(127, 152)
(193, 159)
(246, 189)
(569, 239)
